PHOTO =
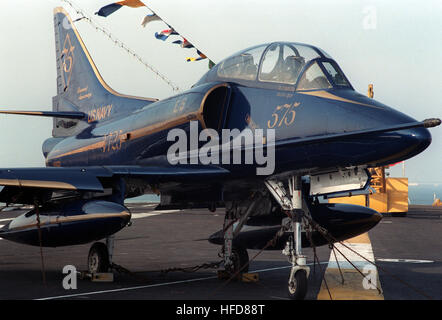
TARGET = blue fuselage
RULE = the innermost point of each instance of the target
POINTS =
(140, 138)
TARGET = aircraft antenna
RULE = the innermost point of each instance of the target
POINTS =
(119, 43)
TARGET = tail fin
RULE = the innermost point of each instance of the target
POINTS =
(80, 87)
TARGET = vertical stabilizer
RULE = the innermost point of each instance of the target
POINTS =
(80, 86)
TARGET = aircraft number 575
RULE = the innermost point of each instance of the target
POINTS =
(283, 114)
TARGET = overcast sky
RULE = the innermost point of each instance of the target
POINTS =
(396, 45)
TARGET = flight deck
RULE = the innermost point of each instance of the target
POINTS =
(407, 252)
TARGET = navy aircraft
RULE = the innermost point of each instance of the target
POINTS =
(106, 147)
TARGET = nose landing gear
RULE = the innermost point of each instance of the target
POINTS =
(292, 202)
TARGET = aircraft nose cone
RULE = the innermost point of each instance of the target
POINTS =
(375, 218)
(420, 138)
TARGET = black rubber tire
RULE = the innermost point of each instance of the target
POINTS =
(298, 290)
(240, 259)
(98, 258)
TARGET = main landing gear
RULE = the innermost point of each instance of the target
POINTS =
(236, 258)
(291, 201)
(100, 256)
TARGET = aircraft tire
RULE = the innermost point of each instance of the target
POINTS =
(240, 259)
(298, 290)
(98, 258)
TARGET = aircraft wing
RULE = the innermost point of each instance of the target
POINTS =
(50, 114)
(21, 185)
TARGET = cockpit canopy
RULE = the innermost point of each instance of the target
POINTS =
(300, 65)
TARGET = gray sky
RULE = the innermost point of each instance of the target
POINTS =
(396, 45)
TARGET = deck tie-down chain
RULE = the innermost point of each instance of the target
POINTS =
(209, 265)
(272, 242)
(333, 240)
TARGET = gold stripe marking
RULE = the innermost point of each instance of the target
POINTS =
(97, 145)
(37, 184)
(167, 124)
(138, 133)
(80, 217)
(23, 112)
(82, 90)
(328, 95)
(85, 96)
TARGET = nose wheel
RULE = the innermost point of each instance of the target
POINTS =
(297, 286)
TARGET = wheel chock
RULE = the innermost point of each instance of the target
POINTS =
(97, 277)
(103, 277)
(249, 277)
(226, 275)
(243, 277)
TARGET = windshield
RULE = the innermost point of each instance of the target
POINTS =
(313, 78)
(336, 74)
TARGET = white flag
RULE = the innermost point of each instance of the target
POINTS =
(149, 18)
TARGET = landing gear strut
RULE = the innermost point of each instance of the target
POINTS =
(236, 258)
(240, 259)
(292, 202)
(100, 256)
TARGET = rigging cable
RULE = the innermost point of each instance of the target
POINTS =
(120, 44)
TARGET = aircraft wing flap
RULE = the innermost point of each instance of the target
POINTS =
(21, 185)
(169, 173)
(86, 179)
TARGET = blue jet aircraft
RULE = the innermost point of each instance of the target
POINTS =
(107, 147)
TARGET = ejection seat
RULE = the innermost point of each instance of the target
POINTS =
(292, 68)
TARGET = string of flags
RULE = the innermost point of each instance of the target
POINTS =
(111, 8)
(165, 34)
(161, 35)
